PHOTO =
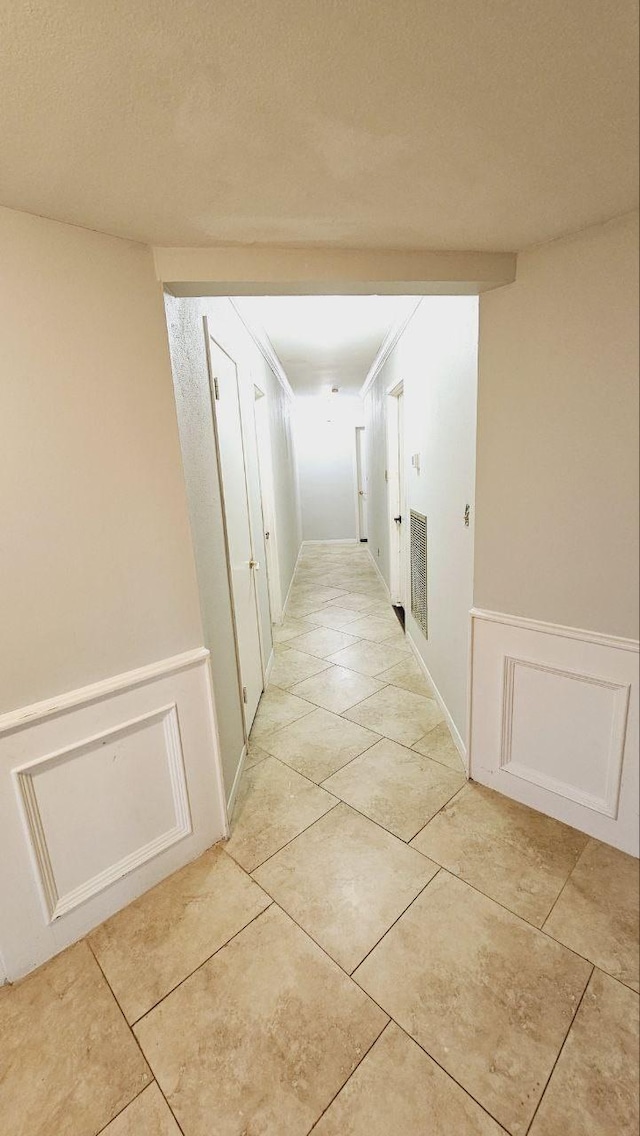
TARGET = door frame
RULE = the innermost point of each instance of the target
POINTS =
(396, 496)
(210, 338)
(267, 501)
(361, 481)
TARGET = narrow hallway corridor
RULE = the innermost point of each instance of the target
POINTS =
(380, 947)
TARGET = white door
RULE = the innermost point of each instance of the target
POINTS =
(223, 377)
(398, 521)
(361, 482)
(267, 498)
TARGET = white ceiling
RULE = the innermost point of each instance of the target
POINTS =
(326, 341)
(442, 124)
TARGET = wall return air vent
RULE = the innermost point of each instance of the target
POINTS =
(419, 605)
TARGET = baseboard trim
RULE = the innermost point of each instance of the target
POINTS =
(233, 795)
(455, 733)
(291, 581)
(26, 715)
(381, 577)
(269, 667)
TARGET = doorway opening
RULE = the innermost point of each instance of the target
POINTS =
(361, 485)
(396, 501)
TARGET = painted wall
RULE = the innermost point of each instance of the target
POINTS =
(188, 355)
(436, 359)
(325, 443)
(558, 435)
(96, 567)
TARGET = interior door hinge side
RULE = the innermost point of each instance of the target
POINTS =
(216, 389)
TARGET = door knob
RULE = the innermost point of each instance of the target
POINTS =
(255, 564)
(398, 519)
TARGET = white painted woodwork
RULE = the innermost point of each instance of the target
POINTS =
(103, 792)
(239, 545)
(554, 722)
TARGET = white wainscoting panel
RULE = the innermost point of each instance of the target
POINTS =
(554, 722)
(103, 793)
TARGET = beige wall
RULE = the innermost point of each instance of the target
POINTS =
(557, 477)
(96, 568)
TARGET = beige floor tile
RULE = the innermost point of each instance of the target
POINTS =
(289, 629)
(323, 641)
(519, 857)
(277, 709)
(315, 593)
(368, 658)
(291, 666)
(68, 1062)
(440, 746)
(333, 616)
(274, 804)
(359, 601)
(147, 1115)
(320, 743)
(397, 1088)
(594, 1087)
(488, 996)
(262, 1037)
(150, 946)
(337, 689)
(345, 881)
(397, 714)
(407, 674)
(378, 628)
(597, 913)
(302, 609)
(255, 753)
(395, 786)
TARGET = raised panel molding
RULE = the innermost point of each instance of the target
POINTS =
(26, 778)
(104, 791)
(553, 722)
(606, 803)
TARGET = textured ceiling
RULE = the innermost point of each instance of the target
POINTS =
(326, 341)
(443, 124)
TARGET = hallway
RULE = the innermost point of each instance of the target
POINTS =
(379, 947)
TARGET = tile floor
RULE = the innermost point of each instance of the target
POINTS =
(380, 949)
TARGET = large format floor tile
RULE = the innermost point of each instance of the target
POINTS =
(261, 1038)
(274, 804)
(289, 629)
(332, 616)
(337, 689)
(395, 786)
(147, 1115)
(399, 1089)
(506, 850)
(367, 657)
(322, 641)
(345, 881)
(597, 913)
(149, 947)
(379, 628)
(594, 1087)
(291, 666)
(320, 743)
(407, 674)
(277, 708)
(68, 1063)
(488, 996)
(397, 714)
(440, 746)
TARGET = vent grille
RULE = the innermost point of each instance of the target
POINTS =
(419, 604)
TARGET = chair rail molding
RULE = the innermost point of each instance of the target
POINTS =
(554, 722)
(104, 791)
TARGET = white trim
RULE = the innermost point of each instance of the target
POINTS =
(233, 795)
(291, 581)
(26, 715)
(269, 667)
(265, 347)
(455, 733)
(596, 637)
(382, 579)
(389, 342)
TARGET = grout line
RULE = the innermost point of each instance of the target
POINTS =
(125, 1107)
(553, 905)
(201, 964)
(391, 925)
(564, 1041)
(316, 1122)
(337, 802)
(142, 1053)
